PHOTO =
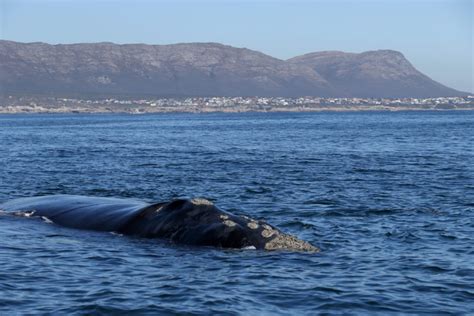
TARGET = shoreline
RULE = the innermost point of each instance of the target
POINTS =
(35, 104)
(142, 110)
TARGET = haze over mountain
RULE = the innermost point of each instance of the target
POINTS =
(205, 69)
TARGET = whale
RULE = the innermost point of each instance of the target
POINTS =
(196, 222)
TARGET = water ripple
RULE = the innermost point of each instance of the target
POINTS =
(387, 196)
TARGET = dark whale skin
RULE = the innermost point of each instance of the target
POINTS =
(182, 221)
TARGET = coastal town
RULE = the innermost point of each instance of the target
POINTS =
(41, 104)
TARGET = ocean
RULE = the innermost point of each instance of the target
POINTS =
(388, 197)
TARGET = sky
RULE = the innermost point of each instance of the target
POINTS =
(435, 35)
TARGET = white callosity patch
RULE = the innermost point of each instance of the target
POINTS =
(288, 242)
(252, 225)
(266, 233)
(226, 221)
(268, 227)
(229, 223)
(200, 201)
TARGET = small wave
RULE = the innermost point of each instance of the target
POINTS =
(403, 236)
(435, 269)
(258, 190)
(55, 236)
(465, 272)
(366, 170)
(47, 220)
(360, 212)
(366, 212)
(298, 224)
(320, 202)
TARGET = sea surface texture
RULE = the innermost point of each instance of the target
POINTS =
(388, 197)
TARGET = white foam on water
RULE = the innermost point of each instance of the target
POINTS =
(22, 213)
(46, 220)
(250, 248)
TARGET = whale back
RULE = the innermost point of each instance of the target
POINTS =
(192, 222)
(94, 213)
(199, 222)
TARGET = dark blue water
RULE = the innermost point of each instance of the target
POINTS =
(388, 197)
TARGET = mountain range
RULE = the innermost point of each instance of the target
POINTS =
(206, 69)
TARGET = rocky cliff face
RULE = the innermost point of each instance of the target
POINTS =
(204, 69)
(382, 73)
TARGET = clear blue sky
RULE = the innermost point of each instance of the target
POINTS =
(435, 35)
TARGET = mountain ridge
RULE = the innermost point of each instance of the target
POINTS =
(206, 69)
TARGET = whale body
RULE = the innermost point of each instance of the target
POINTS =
(181, 221)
